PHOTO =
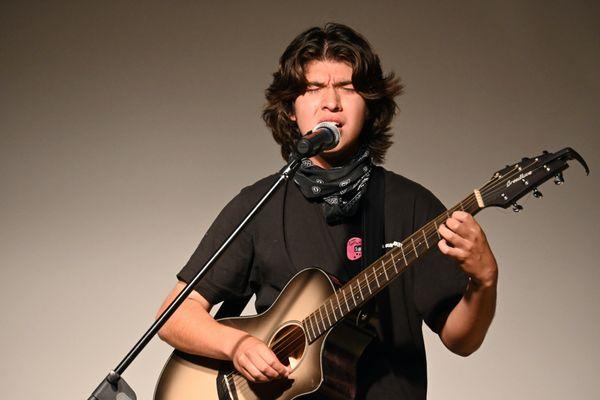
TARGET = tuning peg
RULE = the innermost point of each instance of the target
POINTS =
(559, 179)
(517, 207)
(537, 194)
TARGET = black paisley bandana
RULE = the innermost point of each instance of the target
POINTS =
(340, 188)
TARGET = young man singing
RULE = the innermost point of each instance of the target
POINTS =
(331, 74)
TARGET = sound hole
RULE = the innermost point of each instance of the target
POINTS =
(289, 344)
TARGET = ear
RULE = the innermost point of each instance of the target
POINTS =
(292, 114)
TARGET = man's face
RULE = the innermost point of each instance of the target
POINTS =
(330, 96)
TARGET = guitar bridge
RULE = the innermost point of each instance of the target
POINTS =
(226, 389)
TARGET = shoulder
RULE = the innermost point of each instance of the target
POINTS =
(401, 188)
(409, 201)
(259, 185)
(249, 195)
(240, 205)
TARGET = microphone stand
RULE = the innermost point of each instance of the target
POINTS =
(114, 387)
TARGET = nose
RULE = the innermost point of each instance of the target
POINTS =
(331, 99)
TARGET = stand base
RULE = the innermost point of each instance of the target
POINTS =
(113, 387)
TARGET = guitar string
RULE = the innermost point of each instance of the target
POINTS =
(285, 340)
(241, 383)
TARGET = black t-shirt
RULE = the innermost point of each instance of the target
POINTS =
(290, 233)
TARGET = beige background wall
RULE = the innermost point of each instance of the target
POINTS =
(126, 126)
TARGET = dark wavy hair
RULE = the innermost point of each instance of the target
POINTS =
(333, 42)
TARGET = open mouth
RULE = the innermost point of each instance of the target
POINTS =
(336, 123)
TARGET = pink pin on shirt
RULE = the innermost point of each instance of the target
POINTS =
(354, 248)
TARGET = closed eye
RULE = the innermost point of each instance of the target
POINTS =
(312, 89)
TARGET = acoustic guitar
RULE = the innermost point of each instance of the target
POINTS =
(308, 327)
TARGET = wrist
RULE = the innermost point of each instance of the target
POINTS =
(485, 281)
(234, 341)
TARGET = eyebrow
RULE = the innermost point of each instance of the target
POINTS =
(337, 84)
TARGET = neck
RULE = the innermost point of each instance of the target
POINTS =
(332, 158)
(321, 162)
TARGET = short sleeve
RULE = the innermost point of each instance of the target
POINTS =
(228, 277)
(439, 282)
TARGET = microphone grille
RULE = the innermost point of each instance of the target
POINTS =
(331, 127)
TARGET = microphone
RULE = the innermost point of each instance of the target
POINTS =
(322, 137)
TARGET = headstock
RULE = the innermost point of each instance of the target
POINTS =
(511, 183)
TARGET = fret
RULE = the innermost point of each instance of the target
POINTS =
(403, 255)
(461, 206)
(311, 326)
(346, 300)
(393, 261)
(305, 328)
(359, 288)
(368, 285)
(335, 318)
(339, 304)
(437, 229)
(352, 293)
(327, 314)
(376, 280)
(322, 320)
(316, 318)
(414, 247)
(385, 270)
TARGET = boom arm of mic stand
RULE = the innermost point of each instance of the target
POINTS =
(113, 383)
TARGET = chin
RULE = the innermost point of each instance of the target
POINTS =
(336, 157)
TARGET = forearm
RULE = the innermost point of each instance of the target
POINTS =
(467, 324)
(192, 329)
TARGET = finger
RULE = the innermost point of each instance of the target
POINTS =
(271, 359)
(453, 224)
(470, 227)
(246, 374)
(452, 237)
(465, 229)
(453, 252)
(256, 375)
(263, 366)
(462, 216)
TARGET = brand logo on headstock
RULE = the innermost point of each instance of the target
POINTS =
(518, 178)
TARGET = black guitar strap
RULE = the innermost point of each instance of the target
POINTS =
(374, 219)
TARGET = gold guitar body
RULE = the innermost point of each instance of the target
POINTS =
(188, 377)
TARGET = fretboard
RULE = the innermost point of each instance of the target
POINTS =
(378, 275)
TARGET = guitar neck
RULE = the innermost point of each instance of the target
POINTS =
(378, 275)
